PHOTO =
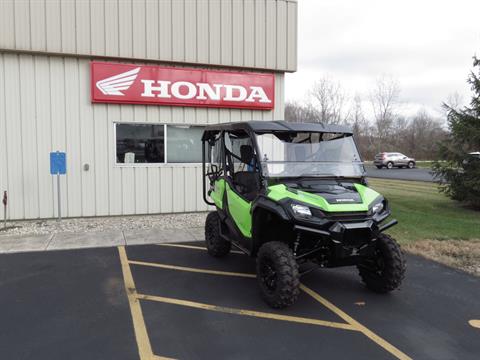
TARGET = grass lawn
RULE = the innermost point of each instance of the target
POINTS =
(424, 164)
(432, 225)
(425, 214)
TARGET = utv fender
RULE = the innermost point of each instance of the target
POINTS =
(266, 209)
(272, 206)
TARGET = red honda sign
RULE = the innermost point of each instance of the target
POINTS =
(159, 85)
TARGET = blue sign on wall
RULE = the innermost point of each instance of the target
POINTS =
(58, 163)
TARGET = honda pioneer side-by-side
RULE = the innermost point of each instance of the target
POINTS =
(294, 195)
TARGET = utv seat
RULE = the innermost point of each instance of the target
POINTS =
(247, 183)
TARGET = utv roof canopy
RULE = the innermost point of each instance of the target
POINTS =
(274, 126)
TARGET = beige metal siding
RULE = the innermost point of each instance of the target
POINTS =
(45, 106)
(245, 33)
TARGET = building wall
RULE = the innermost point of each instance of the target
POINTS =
(244, 33)
(45, 50)
(45, 106)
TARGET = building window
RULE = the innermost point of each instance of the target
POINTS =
(140, 143)
(158, 144)
(184, 144)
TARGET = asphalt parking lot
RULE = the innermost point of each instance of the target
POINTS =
(416, 174)
(175, 301)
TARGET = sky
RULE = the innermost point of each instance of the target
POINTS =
(426, 45)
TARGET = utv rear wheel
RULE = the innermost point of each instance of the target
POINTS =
(390, 165)
(277, 274)
(386, 270)
(216, 245)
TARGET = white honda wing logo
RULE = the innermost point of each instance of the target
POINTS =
(113, 84)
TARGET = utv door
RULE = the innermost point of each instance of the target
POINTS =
(239, 209)
(243, 181)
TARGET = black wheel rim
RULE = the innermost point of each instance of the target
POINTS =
(376, 264)
(268, 275)
(379, 265)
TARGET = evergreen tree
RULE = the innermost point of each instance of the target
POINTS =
(460, 172)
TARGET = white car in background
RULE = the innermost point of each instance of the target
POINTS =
(473, 156)
(393, 159)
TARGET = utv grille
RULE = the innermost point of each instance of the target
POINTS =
(356, 237)
(350, 216)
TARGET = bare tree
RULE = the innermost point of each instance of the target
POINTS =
(388, 130)
(298, 112)
(329, 99)
(361, 127)
(423, 134)
(454, 101)
(357, 119)
(384, 100)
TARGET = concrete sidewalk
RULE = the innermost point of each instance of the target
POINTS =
(80, 240)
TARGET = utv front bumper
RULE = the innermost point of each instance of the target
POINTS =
(347, 240)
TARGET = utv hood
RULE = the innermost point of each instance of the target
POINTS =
(330, 199)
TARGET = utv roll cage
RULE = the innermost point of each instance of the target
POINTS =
(261, 127)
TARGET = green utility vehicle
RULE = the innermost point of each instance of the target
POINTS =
(294, 195)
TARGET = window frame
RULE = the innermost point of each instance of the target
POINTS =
(165, 149)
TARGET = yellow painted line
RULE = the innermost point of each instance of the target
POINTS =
(194, 270)
(368, 333)
(141, 335)
(157, 357)
(475, 323)
(352, 324)
(196, 248)
(258, 314)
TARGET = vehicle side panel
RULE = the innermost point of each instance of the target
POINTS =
(239, 209)
(217, 194)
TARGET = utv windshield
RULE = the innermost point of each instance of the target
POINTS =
(286, 154)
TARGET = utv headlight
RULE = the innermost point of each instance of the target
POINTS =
(377, 208)
(301, 210)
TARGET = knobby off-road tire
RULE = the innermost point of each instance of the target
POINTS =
(386, 271)
(216, 245)
(277, 274)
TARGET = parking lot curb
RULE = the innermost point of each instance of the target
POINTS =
(82, 240)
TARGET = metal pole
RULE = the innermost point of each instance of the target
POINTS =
(4, 210)
(58, 197)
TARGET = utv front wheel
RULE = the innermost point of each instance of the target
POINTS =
(277, 274)
(216, 245)
(386, 270)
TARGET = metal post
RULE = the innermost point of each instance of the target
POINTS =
(4, 210)
(58, 197)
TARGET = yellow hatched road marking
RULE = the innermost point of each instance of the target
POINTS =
(143, 342)
(196, 248)
(252, 313)
(368, 333)
(195, 270)
(351, 324)
(474, 323)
